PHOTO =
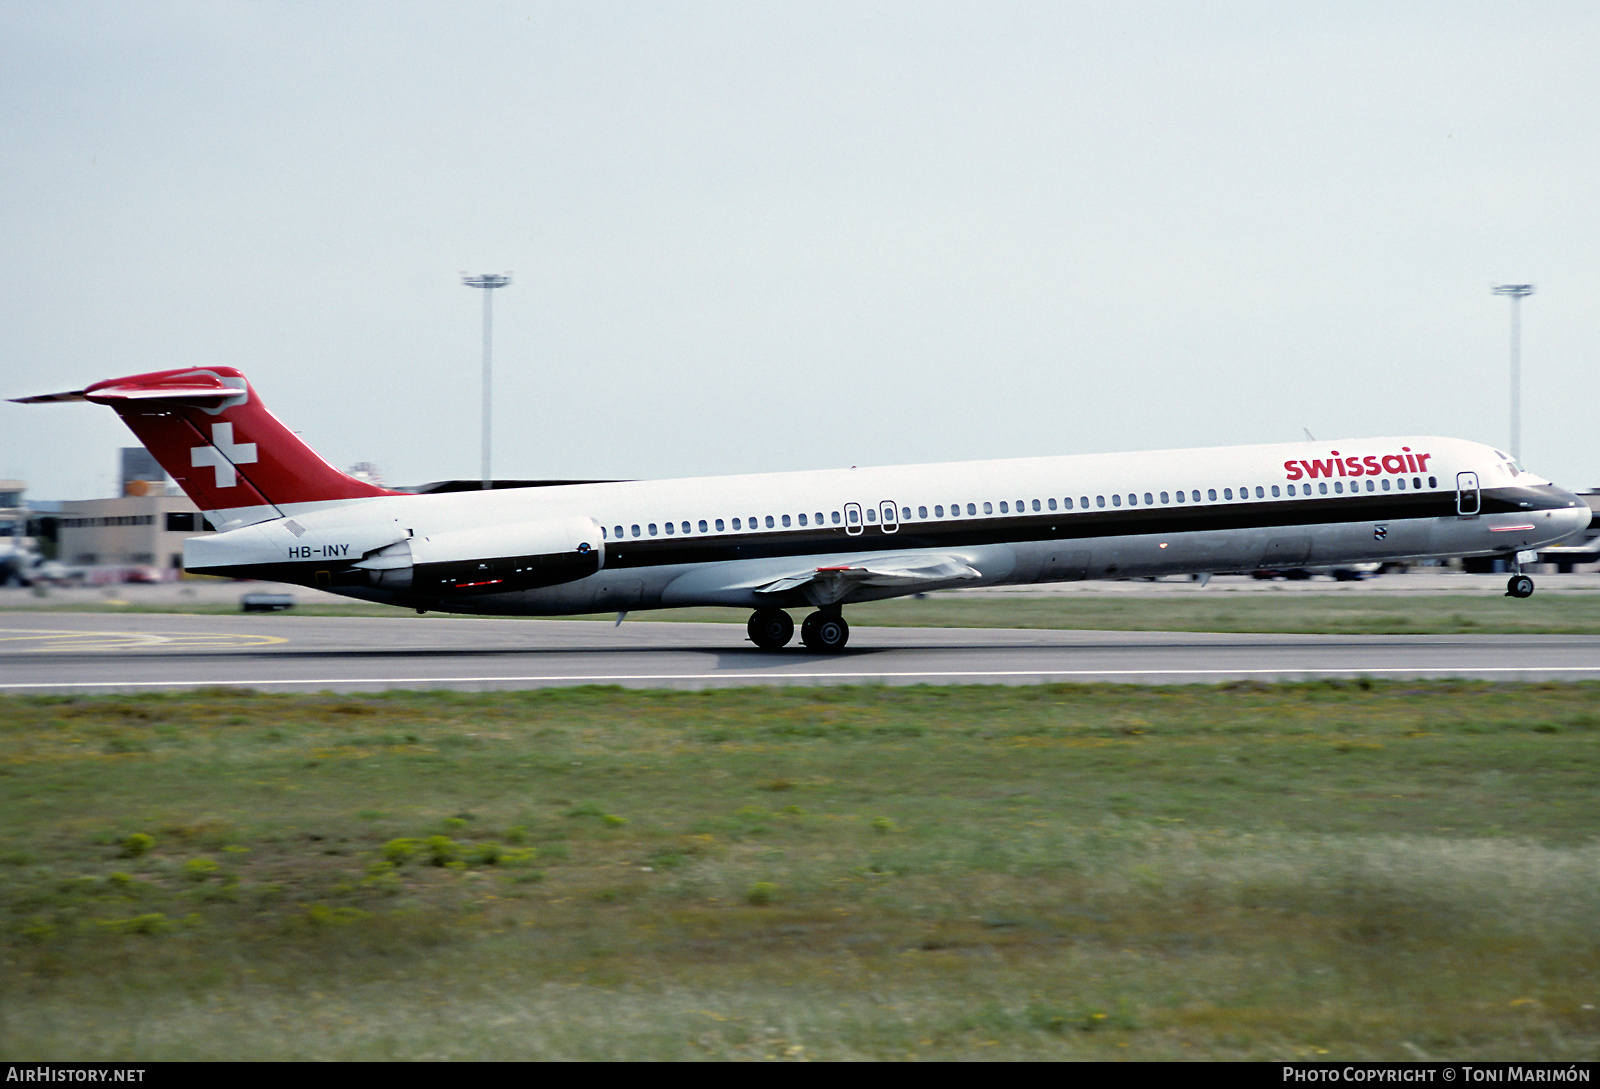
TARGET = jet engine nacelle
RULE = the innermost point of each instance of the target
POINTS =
(493, 560)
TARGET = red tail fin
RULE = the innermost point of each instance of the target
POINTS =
(212, 434)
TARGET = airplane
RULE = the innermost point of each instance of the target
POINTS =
(776, 541)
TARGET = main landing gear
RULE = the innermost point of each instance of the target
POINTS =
(824, 630)
(770, 629)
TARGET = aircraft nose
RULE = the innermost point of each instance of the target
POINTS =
(1581, 517)
(1575, 517)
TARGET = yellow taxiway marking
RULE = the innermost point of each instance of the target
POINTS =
(80, 641)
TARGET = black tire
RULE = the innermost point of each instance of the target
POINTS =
(770, 629)
(1519, 586)
(825, 632)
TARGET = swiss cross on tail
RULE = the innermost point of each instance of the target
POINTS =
(223, 454)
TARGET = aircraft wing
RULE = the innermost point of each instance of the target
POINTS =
(830, 585)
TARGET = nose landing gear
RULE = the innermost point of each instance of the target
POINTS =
(1518, 585)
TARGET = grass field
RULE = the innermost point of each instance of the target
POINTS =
(1327, 613)
(1341, 870)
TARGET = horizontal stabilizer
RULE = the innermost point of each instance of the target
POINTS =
(51, 398)
(194, 387)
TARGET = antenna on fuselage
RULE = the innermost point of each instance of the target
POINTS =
(1309, 436)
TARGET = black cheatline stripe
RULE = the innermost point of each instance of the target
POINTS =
(1070, 526)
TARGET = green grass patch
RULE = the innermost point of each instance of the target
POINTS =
(1348, 870)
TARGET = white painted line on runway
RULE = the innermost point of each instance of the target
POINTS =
(931, 676)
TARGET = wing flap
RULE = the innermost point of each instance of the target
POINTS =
(830, 585)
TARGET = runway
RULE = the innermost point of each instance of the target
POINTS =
(88, 653)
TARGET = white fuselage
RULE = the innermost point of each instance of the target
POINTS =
(760, 540)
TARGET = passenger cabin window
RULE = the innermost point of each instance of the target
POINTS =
(1148, 499)
(1003, 508)
(1164, 498)
(1227, 493)
(988, 508)
(1099, 500)
(1116, 500)
(719, 525)
(769, 521)
(836, 518)
(852, 517)
(652, 529)
(636, 531)
(1052, 503)
(619, 533)
(703, 525)
(905, 513)
(785, 521)
(922, 512)
(938, 512)
(972, 508)
(802, 518)
(669, 529)
(1211, 494)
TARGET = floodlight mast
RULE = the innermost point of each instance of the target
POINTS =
(487, 281)
(1516, 292)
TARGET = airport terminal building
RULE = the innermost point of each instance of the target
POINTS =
(144, 527)
(130, 530)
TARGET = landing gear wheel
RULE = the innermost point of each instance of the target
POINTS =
(1519, 586)
(770, 629)
(825, 632)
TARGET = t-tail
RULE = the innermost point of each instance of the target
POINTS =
(211, 433)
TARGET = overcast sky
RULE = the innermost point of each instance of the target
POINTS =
(754, 236)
